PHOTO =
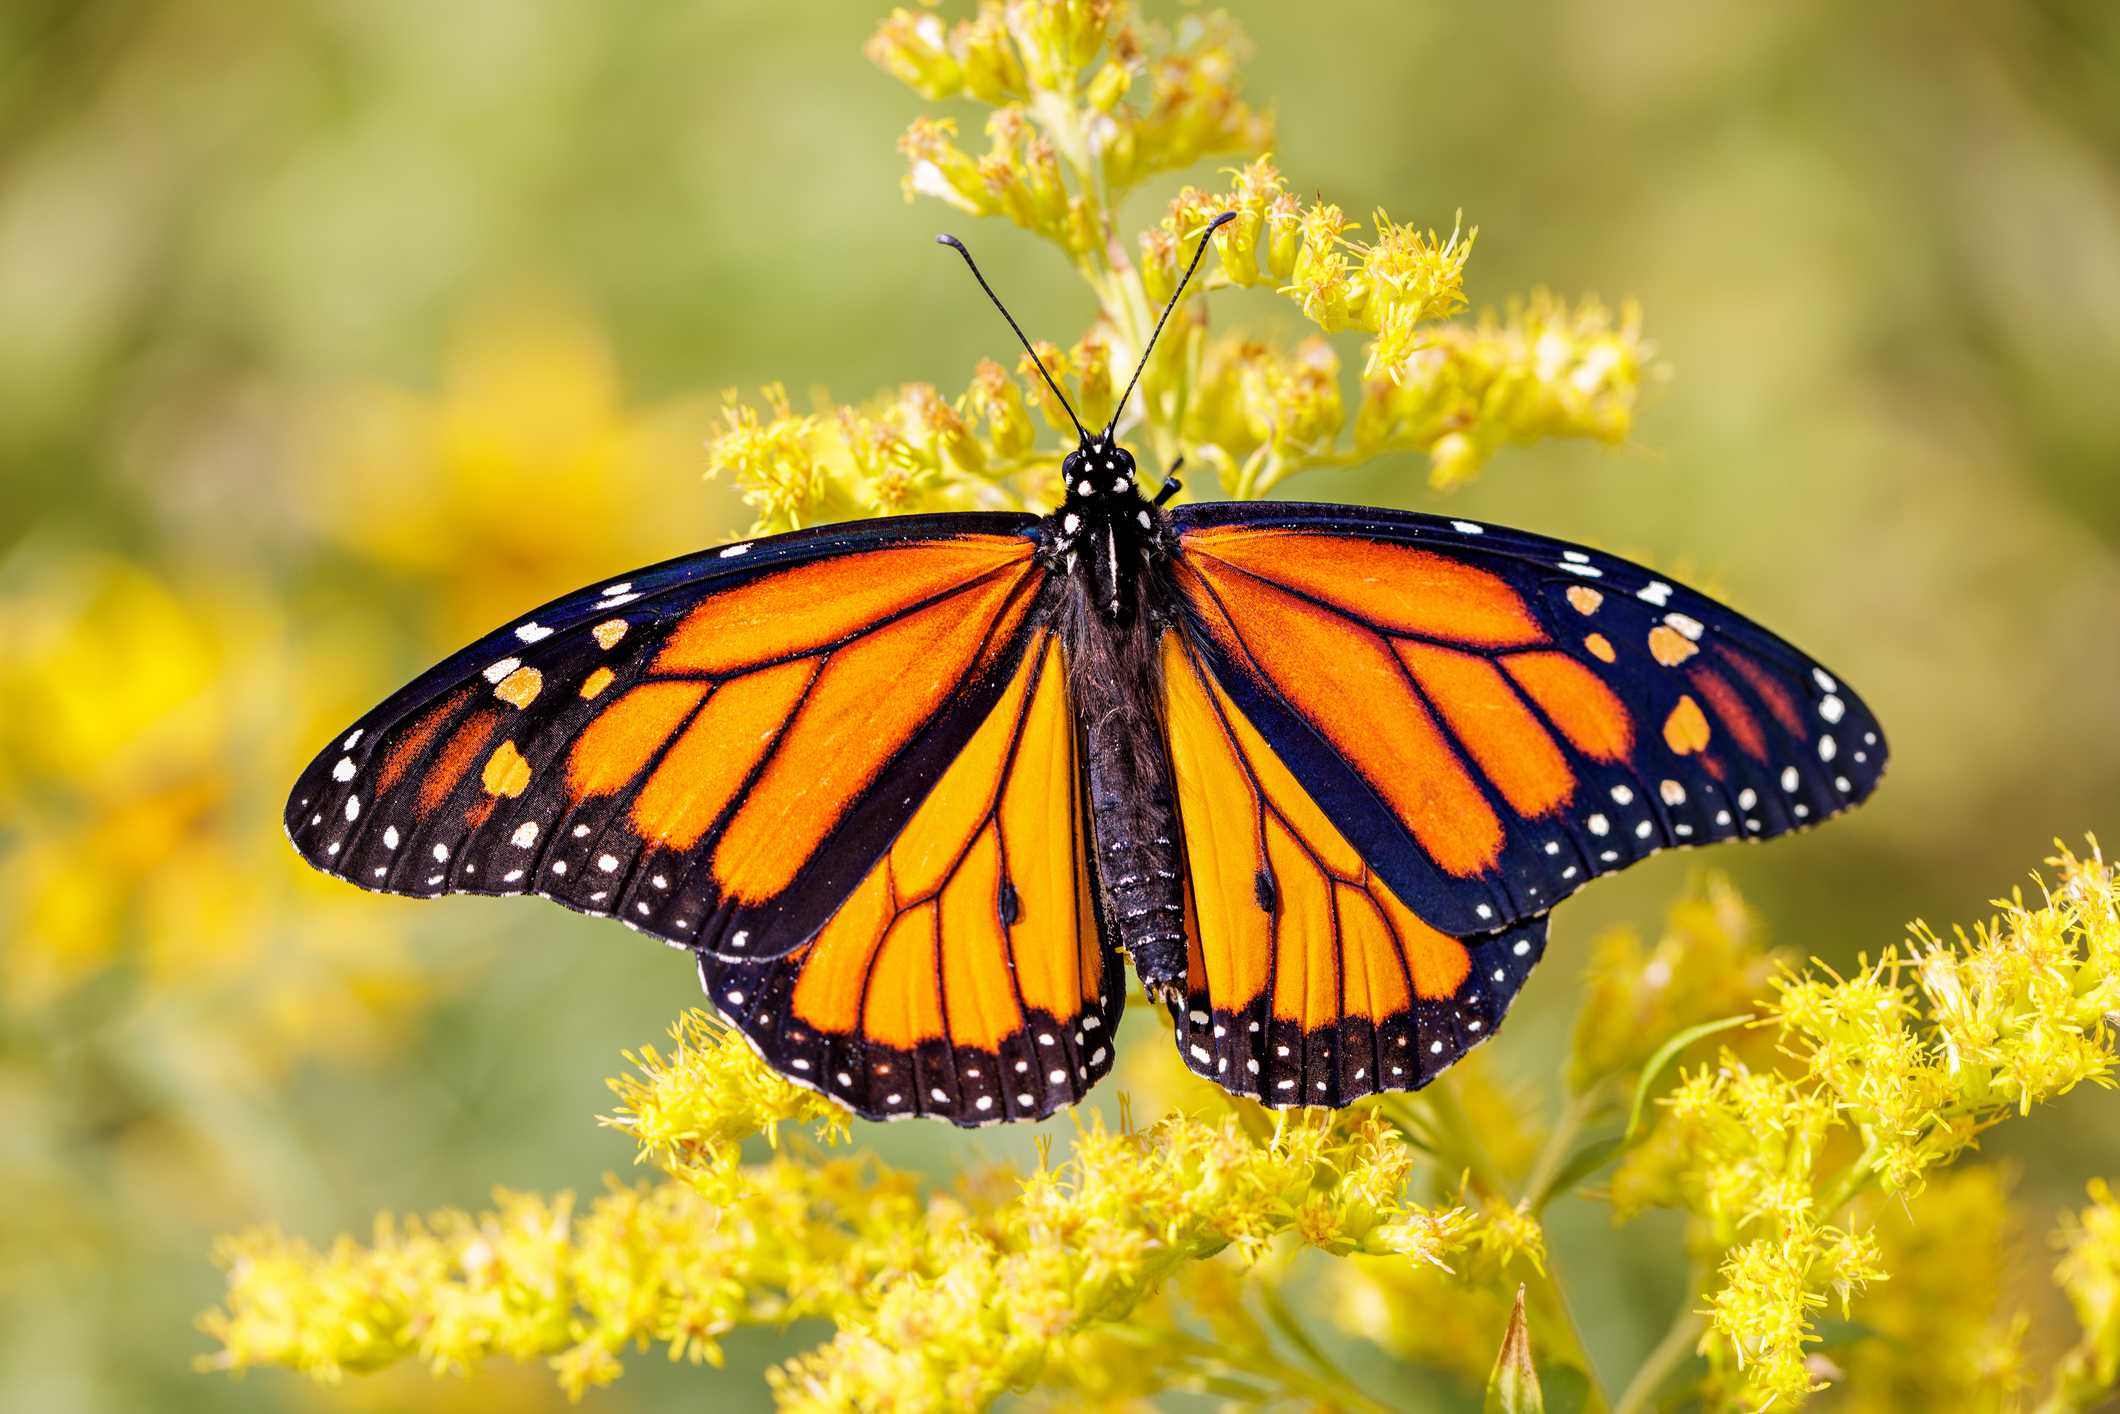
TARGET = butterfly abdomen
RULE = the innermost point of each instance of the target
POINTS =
(1133, 817)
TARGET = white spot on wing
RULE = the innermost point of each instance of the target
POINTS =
(1466, 527)
(496, 671)
(344, 770)
(531, 632)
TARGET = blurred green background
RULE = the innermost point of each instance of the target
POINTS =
(331, 333)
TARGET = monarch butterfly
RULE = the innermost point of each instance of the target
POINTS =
(907, 788)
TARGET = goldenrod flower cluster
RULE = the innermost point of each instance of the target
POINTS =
(1085, 100)
(1881, 1077)
(940, 1304)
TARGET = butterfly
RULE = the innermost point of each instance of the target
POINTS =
(908, 788)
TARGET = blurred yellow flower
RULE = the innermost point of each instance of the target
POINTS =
(527, 471)
(151, 726)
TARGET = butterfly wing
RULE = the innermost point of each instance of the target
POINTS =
(714, 750)
(1492, 719)
(1309, 981)
(964, 978)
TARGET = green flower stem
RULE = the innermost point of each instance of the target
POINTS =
(1681, 1340)
(1574, 1118)
(1552, 1319)
(1231, 1368)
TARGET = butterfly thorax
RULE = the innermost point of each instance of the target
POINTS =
(1105, 533)
(1111, 547)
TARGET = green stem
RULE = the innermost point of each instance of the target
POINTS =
(1573, 1120)
(1552, 1320)
(1224, 1364)
(1680, 1339)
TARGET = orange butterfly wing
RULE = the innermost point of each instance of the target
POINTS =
(714, 751)
(1492, 719)
(964, 977)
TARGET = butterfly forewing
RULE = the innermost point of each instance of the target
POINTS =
(714, 750)
(1492, 719)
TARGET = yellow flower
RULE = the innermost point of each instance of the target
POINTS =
(526, 468)
(689, 1112)
(2089, 1273)
(1938, 1335)
(151, 724)
(1541, 370)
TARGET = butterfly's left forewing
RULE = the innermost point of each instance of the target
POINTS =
(714, 750)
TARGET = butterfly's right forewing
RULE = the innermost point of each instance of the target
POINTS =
(714, 751)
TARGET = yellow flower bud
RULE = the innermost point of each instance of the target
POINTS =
(936, 166)
(1091, 360)
(993, 72)
(771, 458)
(1056, 364)
(1160, 265)
(1108, 88)
(1320, 281)
(912, 48)
(995, 399)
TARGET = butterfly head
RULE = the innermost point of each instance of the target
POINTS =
(1097, 471)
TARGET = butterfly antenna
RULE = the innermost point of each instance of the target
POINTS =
(954, 244)
(1205, 236)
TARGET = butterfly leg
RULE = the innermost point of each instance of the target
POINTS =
(1171, 484)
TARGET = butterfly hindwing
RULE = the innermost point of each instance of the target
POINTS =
(713, 750)
(1309, 981)
(964, 977)
(1491, 718)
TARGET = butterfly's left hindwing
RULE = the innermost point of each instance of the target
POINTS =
(713, 750)
(964, 977)
(1492, 719)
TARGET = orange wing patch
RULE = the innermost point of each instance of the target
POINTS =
(1363, 707)
(868, 700)
(1310, 981)
(771, 707)
(1395, 587)
(1283, 905)
(964, 974)
(813, 606)
(974, 916)
(1432, 679)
